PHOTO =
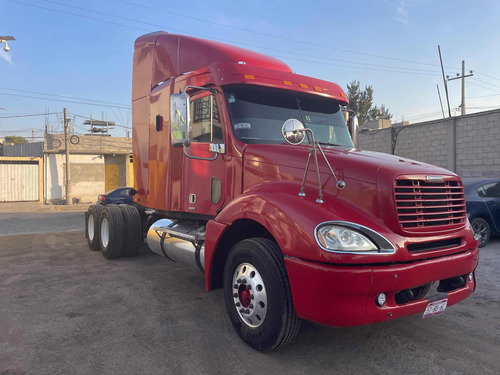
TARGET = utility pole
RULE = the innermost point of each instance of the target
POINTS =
(440, 101)
(463, 76)
(444, 80)
(66, 143)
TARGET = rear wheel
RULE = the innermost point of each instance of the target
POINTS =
(257, 295)
(133, 231)
(481, 227)
(111, 232)
(93, 225)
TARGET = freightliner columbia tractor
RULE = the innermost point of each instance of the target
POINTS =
(248, 173)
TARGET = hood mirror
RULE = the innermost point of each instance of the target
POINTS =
(293, 131)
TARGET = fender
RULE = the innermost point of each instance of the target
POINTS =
(277, 207)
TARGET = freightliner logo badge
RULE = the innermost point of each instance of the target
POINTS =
(435, 178)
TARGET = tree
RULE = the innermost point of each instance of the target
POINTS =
(361, 102)
(15, 139)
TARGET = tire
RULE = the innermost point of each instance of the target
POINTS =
(481, 227)
(93, 226)
(111, 233)
(133, 231)
(257, 295)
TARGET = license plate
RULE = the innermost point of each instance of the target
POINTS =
(435, 308)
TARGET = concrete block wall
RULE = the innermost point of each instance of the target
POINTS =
(478, 145)
(379, 140)
(468, 145)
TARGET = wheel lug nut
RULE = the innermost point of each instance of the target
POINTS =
(247, 311)
(251, 305)
(242, 311)
(235, 295)
(249, 287)
(238, 281)
(237, 304)
(243, 281)
(252, 296)
(235, 286)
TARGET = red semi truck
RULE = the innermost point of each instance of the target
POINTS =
(247, 172)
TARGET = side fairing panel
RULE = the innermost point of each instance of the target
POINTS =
(159, 149)
(140, 145)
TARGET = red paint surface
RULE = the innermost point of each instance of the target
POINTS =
(261, 183)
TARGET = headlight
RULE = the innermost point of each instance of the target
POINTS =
(340, 238)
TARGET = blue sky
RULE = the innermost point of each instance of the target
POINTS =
(71, 52)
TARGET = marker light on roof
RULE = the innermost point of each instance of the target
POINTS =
(288, 83)
(303, 85)
(318, 88)
(249, 76)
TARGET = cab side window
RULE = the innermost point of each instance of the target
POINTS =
(491, 190)
(205, 120)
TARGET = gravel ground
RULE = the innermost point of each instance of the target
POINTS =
(66, 310)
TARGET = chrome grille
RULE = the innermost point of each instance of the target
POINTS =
(424, 206)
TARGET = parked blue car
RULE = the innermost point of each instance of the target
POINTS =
(483, 207)
(117, 196)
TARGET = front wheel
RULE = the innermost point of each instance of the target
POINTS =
(257, 295)
(481, 227)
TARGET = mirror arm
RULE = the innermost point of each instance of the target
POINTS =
(339, 183)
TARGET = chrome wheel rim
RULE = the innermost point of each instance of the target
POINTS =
(105, 232)
(90, 227)
(249, 295)
(480, 228)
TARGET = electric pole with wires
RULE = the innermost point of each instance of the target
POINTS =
(463, 76)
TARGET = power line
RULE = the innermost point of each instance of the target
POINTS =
(78, 15)
(142, 6)
(483, 87)
(485, 75)
(61, 96)
(234, 42)
(356, 67)
(36, 114)
(66, 101)
(486, 83)
(482, 96)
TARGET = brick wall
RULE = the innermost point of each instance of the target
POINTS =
(468, 145)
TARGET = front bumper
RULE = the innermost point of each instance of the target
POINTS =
(345, 296)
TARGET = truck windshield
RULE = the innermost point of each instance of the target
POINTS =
(257, 115)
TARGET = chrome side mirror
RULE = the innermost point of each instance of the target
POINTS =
(179, 119)
(293, 131)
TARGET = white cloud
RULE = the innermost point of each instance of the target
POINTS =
(402, 13)
(7, 56)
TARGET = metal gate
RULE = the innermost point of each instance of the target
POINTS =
(19, 181)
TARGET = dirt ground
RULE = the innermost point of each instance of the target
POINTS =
(66, 310)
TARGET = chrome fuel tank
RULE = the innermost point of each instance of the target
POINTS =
(178, 241)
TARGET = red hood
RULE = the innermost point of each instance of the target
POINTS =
(369, 176)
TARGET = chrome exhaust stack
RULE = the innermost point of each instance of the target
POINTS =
(178, 241)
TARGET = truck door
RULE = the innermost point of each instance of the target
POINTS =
(204, 163)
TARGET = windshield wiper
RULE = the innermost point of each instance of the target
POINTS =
(327, 144)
